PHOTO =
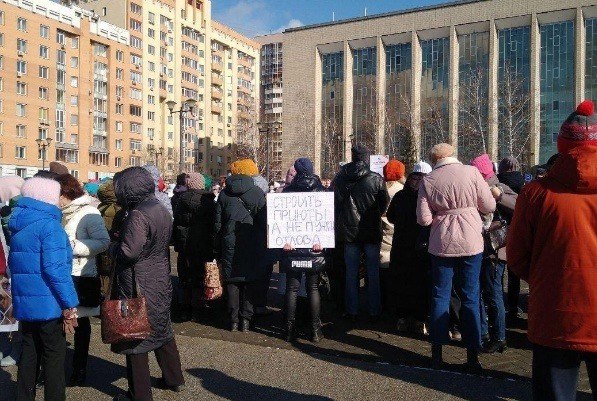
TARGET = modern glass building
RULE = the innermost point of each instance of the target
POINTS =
(495, 76)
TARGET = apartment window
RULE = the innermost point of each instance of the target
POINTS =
(135, 145)
(151, 32)
(44, 31)
(118, 144)
(60, 119)
(151, 115)
(118, 161)
(1, 62)
(119, 55)
(136, 77)
(60, 37)
(135, 128)
(74, 82)
(150, 133)
(1, 39)
(1, 133)
(170, 137)
(1, 84)
(118, 126)
(104, 11)
(74, 119)
(151, 18)
(43, 93)
(151, 66)
(61, 57)
(136, 42)
(74, 139)
(22, 45)
(135, 111)
(100, 49)
(151, 82)
(44, 72)
(43, 114)
(21, 67)
(136, 8)
(20, 152)
(119, 109)
(44, 52)
(21, 88)
(150, 99)
(119, 73)
(151, 49)
(74, 43)
(42, 133)
(135, 25)
(21, 131)
(136, 94)
(74, 62)
(74, 100)
(60, 136)
(119, 91)
(21, 110)
(1, 17)
(22, 24)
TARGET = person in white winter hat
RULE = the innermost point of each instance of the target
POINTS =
(422, 167)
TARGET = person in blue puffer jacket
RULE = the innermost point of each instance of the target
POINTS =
(44, 296)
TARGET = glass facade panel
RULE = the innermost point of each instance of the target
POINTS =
(398, 141)
(557, 83)
(473, 96)
(591, 60)
(332, 108)
(364, 111)
(514, 87)
(435, 91)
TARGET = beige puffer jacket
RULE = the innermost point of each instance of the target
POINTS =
(450, 200)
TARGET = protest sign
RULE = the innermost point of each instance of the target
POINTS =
(378, 162)
(301, 219)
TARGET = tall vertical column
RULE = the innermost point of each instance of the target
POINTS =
(415, 101)
(317, 106)
(381, 96)
(348, 100)
(535, 123)
(492, 104)
(581, 51)
(454, 87)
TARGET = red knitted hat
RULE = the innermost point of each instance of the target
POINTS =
(394, 170)
(580, 129)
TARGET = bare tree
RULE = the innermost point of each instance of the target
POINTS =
(434, 122)
(249, 142)
(365, 105)
(472, 116)
(400, 142)
(514, 102)
(332, 146)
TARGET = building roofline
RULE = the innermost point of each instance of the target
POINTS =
(384, 15)
(225, 29)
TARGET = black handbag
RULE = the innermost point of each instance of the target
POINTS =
(496, 234)
(89, 291)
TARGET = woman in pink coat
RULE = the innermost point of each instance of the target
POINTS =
(450, 200)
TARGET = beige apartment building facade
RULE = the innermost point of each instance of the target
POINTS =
(183, 54)
(494, 76)
(59, 82)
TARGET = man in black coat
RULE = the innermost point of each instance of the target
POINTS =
(361, 198)
(241, 233)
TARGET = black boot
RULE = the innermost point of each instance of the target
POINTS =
(473, 366)
(290, 331)
(245, 325)
(234, 326)
(77, 378)
(492, 347)
(317, 333)
(40, 381)
(437, 361)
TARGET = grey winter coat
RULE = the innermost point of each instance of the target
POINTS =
(142, 248)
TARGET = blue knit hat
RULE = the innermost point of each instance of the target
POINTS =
(303, 166)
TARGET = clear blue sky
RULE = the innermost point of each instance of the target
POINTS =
(258, 17)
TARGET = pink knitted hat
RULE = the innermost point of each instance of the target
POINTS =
(484, 165)
(42, 189)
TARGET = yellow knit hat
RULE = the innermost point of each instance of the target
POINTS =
(244, 166)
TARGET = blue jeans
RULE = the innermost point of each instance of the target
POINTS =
(468, 270)
(555, 373)
(352, 256)
(493, 322)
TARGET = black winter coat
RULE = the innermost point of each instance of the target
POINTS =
(194, 221)
(299, 258)
(241, 229)
(142, 248)
(361, 198)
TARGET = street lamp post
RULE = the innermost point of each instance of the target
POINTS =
(42, 145)
(187, 106)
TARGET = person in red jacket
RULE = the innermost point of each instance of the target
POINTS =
(552, 244)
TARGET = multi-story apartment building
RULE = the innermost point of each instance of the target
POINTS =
(494, 76)
(182, 54)
(270, 110)
(61, 79)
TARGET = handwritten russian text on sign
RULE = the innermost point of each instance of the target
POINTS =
(378, 162)
(301, 219)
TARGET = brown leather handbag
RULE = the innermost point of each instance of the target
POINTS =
(124, 320)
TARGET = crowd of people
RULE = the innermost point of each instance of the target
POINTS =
(430, 246)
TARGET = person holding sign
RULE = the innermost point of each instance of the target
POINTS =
(310, 261)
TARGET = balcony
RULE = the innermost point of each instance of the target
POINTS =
(217, 80)
(217, 66)
(245, 62)
(216, 94)
(66, 145)
(216, 108)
